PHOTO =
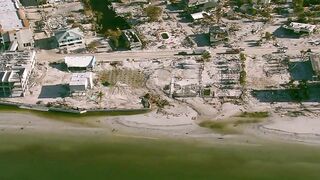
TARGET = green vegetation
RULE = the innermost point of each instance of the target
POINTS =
(228, 126)
(99, 157)
(103, 17)
(223, 127)
(206, 92)
(243, 57)
(130, 77)
(243, 73)
(298, 7)
(205, 56)
(243, 77)
(93, 45)
(153, 12)
(114, 36)
(100, 96)
(262, 114)
(268, 36)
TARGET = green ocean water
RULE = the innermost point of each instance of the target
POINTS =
(26, 157)
(41, 156)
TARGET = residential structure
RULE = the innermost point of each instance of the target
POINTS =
(218, 35)
(15, 70)
(69, 37)
(300, 27)
(15, 32)
(132, 38)
(191, 3)
(199, 15)
(80, 82)
(80, 62)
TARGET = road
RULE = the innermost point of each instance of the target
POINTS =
(51, 56)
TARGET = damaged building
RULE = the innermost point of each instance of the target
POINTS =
(132, 38)
(218, 35)
(15, 32)
(80, 82)
(15, 71)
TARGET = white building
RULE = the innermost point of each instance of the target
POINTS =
(199, 15)
(15, 70)
(80, 82)
(80, 62)
(301, 27)
(14, 26)
(69, 37)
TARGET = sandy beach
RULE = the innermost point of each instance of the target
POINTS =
(179, 122)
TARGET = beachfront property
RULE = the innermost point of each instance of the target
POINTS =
(300, 27)
(80, 82)
(15, 71)
(15, 33)
(218, 35)
(132, 38)
(69, 37)
(77, 63)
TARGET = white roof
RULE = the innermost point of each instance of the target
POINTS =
(310, 27)
(198, 15)
(80, 61)
(80, 79)
(68, 33)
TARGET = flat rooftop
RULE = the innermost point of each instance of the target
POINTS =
(17, 60)
(9, 15)
(80, 61)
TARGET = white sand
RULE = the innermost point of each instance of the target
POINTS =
(306, 125)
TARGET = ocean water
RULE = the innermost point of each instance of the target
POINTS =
(33, 157)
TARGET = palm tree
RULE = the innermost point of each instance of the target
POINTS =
(206, 56)
(100, 96)
(303, 53)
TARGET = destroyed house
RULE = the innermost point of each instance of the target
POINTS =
(300, 27)
(218, 35)
(132, 38)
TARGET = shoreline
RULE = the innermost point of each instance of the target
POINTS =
(43, 108)
(150, 125)
(179, 121)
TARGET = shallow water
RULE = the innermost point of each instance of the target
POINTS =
(71, 157)
(50, 156)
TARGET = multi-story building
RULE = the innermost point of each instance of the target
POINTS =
(15, 32)
(69, 37)
(15, 70)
